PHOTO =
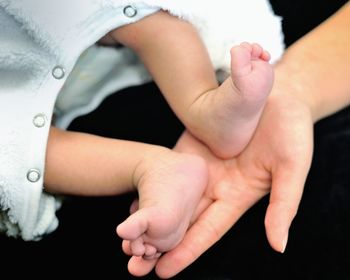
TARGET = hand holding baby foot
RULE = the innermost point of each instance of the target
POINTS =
(277, 159)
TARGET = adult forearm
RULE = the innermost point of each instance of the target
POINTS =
(316, 68)
(84, 164)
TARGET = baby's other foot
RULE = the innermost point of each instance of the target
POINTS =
(170, 187)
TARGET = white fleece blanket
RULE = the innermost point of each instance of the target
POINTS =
(224, 23)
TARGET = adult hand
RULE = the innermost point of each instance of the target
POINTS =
(277, 159)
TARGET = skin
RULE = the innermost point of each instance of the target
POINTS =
(311, 82)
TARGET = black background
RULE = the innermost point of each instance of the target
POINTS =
(85, 244)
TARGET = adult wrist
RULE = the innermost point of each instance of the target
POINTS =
(289, 80)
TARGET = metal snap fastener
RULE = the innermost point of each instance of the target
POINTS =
(130, 11)
(58, 72)
(39, 120)
(33, 175)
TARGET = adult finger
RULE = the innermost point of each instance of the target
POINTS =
(286, 192)
(204, 203)
(208, 229)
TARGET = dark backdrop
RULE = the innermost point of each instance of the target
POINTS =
(85, 243)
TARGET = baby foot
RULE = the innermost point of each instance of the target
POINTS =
(170, 188)
(236, 106)
(251, 74)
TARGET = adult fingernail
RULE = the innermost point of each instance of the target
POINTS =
(284, 244)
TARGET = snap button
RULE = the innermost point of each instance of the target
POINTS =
(33, 175)
(130, 11)
(58, 72)
(39, 120)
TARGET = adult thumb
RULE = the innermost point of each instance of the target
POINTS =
(286, 192)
